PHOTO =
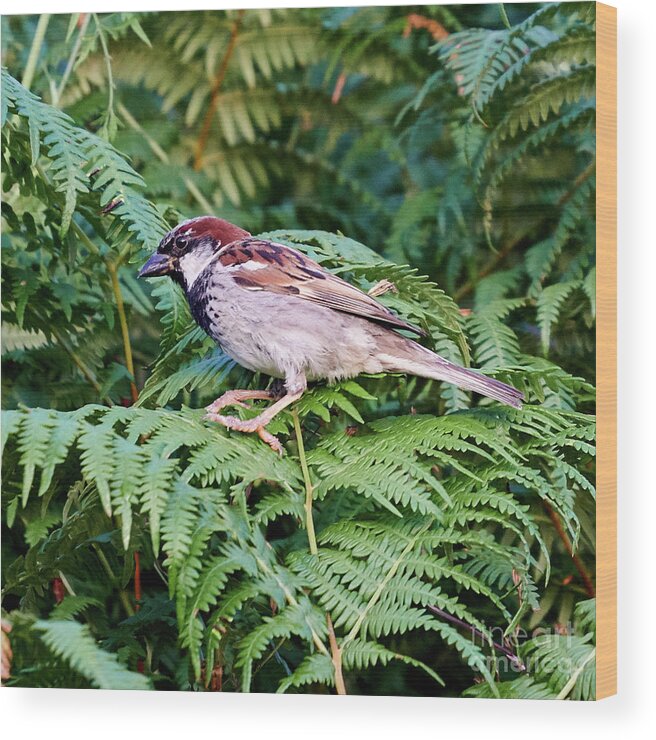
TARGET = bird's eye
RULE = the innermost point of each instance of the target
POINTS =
(181, 243)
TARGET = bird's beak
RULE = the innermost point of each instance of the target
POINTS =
(158, 264)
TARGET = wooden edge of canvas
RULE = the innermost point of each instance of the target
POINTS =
(606, 544)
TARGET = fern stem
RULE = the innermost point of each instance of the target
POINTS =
(125, 600)
(214, 95)
(200, 198)
(71, 59)
(309, 522)
(578, 563)
(81, 366)
(504, 15)
(164, 157)
(137, 580)
(580, 179)
(110, 78)
(292, 600)
(574, 677)
(127, 347)
(474, 631)
(381, 586)
(277, 647)
(66, 583)
(499, 256)
(82, 236)
(35, 50)
(336, 654)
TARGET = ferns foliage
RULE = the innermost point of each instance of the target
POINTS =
(398, 506)
(529, 117)
(144, 547)
(561, 665)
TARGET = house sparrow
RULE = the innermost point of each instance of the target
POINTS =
(275, 311)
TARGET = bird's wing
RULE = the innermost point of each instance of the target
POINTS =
(257, 264)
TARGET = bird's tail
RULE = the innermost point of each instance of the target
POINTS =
(426, 364)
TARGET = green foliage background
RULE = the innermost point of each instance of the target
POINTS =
(452, 142)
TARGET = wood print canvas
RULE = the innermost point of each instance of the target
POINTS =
(305, 312)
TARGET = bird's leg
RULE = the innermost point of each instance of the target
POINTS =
(259, 422)
(295, 386)
(237, 398)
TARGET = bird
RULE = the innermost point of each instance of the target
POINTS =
(275, 311)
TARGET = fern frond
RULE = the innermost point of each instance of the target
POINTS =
(524, 687)
(484, 61)
(70, 151)
(547, 97)
(178, 521)
(549, 303)
(97, 460)
(580, 116)
(471, 653)
(316, 668)
(75, 644)
(361, 655)
(566, 663)
(495, 343)
(296, 619)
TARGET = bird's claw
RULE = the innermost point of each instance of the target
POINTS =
(271, 439)
(247, 426)
(227, 399)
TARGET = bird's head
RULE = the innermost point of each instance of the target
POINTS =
(187, 249)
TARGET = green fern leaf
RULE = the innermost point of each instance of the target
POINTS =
(74, 643)
(550, 301)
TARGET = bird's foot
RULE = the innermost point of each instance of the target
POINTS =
(271, 439)
(235, 398)
(247, 426)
